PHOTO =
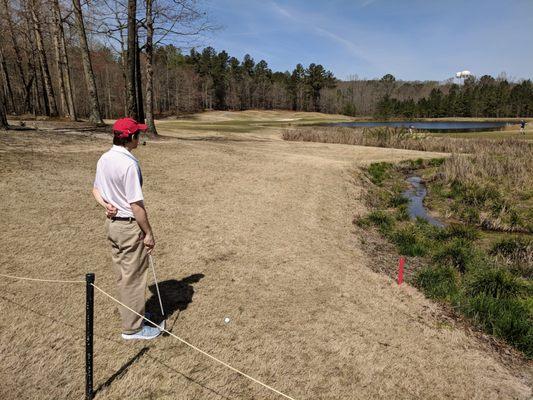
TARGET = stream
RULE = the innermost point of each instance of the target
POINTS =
(415, 208)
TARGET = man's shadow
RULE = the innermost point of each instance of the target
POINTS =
(175, 296)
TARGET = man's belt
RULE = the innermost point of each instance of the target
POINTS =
(129, 219)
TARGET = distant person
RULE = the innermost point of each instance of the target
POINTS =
(523, 127)
(411, 129)
(118, 188)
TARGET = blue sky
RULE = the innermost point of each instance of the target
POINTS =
(412, 39)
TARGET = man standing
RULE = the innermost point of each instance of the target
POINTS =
(523, 127)
(118, 188)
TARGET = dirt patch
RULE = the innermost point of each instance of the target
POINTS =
(268, 226)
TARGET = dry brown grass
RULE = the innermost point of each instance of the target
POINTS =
(397, 138)
(507, 164)
(268, 224)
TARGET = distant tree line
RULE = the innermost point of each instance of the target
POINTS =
(211, 80)
(484, 97)
(109, 58)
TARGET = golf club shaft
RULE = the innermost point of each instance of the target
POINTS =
(156, 284)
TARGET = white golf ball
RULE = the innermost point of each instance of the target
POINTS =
(226, 320)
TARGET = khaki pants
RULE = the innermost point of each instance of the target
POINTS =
(130, 263)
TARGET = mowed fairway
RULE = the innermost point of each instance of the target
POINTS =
(248, 227)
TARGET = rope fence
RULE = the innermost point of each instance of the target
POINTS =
(90, 284)
(22, 278)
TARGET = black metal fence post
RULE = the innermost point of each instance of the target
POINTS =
(89, 314)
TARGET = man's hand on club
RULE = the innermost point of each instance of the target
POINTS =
(149, 242)
(110, 210)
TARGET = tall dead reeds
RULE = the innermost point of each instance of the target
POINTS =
(398, 138)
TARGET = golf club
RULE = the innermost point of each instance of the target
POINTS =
(162, 324)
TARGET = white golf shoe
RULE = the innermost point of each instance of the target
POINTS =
(146, 333)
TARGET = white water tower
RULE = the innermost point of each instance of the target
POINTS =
(462, 75)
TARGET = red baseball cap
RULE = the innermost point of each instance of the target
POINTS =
(128, 126)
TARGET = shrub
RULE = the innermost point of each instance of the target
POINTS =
(381, 219)
(410, 241)
(470, 215)
(474, 194)
(436, 189)
(457, 253)
(509, 319)
(495, 282)
(378, 172)
(459, 231)
(416, 164)
(517, 253)
(397, 200)
(516, 248)
(402, 214)
(436, 162)
(514, 218)
(438, 282)
(361, 222)
(499, 206)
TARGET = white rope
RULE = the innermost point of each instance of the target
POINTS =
(21, 278)
(196, 348)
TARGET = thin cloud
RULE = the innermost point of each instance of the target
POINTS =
(367, 3)
(282, 11)
(350, 46)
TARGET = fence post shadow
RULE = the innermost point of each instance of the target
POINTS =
(122, 370)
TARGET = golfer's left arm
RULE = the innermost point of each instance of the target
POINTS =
(141, 216)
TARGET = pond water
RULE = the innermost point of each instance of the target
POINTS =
(434, 126)
(415, 208)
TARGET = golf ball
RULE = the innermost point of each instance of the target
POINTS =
(226, 320)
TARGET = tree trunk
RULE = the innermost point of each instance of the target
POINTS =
(150, 69)
(5, 76)
(124, 70)
(3, 117)
(94, 116)
(68, 81)
(18, 59)
(3, 112)
(138, 83)
(47, 80)
(32, 86)
(42, 99)
(65, 87)
(131, 96)
(61, 79)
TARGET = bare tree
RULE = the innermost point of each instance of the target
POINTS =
(138, 81)
(62, 64)
(178, 18)
(3, 116)
(94, 116)
(132, 55)
(37, 94)
(5, 75)
(149, 69)
(18, 56)
(47, 79)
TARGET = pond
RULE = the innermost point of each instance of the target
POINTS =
(432, 126)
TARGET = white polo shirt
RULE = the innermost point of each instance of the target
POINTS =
(119, 179)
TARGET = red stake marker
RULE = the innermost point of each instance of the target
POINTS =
(400, 270)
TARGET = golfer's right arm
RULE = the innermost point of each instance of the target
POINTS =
(139, 212)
